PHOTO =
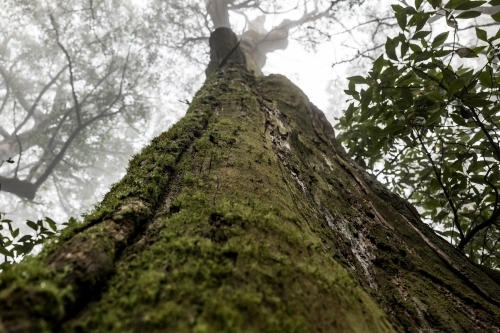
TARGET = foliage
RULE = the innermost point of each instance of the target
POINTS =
(15, 245)
(426, 119)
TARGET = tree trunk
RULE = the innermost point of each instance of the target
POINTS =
(247, 216)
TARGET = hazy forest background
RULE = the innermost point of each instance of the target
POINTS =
(84, 85)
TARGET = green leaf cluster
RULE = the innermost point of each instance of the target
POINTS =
(14, 245)
(429, 129)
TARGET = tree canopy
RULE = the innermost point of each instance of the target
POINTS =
(425, 120)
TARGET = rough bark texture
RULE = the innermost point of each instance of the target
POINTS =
(246, 216)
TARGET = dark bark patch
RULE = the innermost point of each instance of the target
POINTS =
(219, 228)
(231, 255)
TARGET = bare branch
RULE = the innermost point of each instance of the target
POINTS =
(18, 142)
(7, 93)
(70, 64)
(40, 95)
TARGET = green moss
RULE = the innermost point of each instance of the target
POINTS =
(253, 274)
(46, 299)
(242, 218)
(235, 253)
(94, 244)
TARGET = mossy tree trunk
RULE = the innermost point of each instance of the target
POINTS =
(246, 216)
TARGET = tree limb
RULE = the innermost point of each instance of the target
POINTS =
(70, 65)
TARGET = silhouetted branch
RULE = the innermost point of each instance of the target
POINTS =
(40, 95)
(7, 93)
(70, 64)
(443, 187)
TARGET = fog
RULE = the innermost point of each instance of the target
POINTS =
(85, 86)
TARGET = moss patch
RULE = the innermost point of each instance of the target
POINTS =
(234, 252)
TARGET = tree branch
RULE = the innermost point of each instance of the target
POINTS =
(440, 181)
(40, 95)
(71, 78)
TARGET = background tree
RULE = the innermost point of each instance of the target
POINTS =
(71, 95)
(85, 85)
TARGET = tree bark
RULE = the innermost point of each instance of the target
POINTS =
(247, 216)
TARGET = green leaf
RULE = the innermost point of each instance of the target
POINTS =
(434, 185)
(465, 52)
(357, 79)
(486, 79)
(440, 39)
(349, 112)
(442, 53)
(423, 56)
(493, 111)
(378, 145)
(435, 3)
(452, 4)
(497, 35)
(32, 225)
(409, 10)
(392, 128)
(476, 166)
(435, 96)
(468, 14)
(407, 96)
(366, 98)
(434, 116)
(478, 136)
(496, 17)
(494, 3)
(469, 5)
(5, 252)
(397, 8)
(415, 48)
(404, 48)
(479, 49)
(420, 23)
(25, 239)
(401, 18)
(418, 3)
(455, 86)
(421, 34)
(374, 131)
(390, 49)
(15, 233)
(448, 75)
(24, 248)
(379, 63)
(477, 102)
(52, 223)
(482, 34)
